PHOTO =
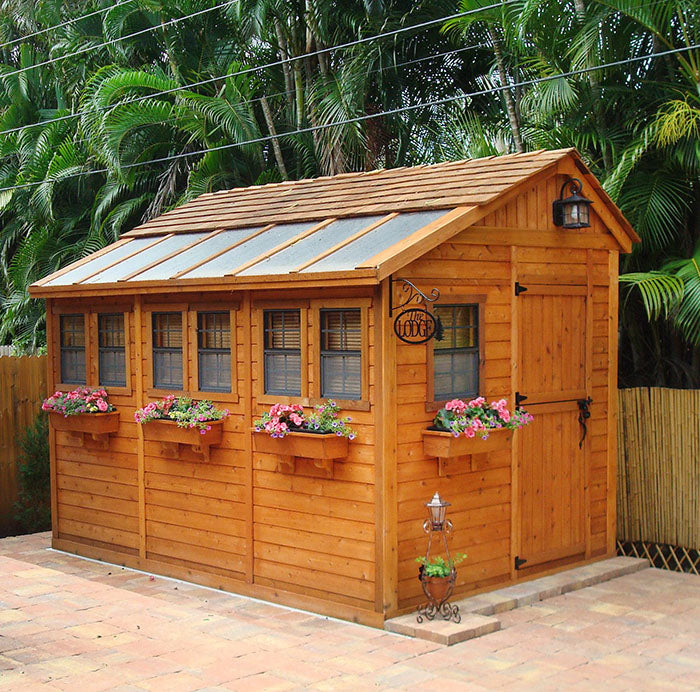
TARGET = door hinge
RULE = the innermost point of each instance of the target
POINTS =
(519, 562)
(519, 398)
(519, 288)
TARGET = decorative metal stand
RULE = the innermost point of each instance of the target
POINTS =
(438, 589)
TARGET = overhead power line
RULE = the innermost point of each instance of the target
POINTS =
(371, 116)
(62, 24)
(248, 70)
(104, 44)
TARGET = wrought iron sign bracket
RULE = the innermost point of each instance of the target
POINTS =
(413, 324)
(414, 295)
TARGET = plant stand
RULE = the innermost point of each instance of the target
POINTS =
(438, 589)
(322, 449)
(87, 429)
(445, 446)
(172, 437)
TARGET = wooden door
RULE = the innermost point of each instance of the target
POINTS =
(551, 465)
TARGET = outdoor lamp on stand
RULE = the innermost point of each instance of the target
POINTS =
(438, 589)
(572, 211)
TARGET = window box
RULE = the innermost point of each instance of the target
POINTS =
(445, 446)
(91, 428)
(171, 436)
(321, 448)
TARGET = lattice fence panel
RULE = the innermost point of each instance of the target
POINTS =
(664, 556)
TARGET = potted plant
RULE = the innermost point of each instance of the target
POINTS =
(437, 575)
(83, 411)
(285, 430)
(461, 428)
(175, 421)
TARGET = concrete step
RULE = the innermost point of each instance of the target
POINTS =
(477, 612)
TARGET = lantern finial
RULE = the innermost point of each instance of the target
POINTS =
(437, 508)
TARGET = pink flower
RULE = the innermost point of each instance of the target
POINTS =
(102, 405)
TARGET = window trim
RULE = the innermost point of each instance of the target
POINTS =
(148, 312)
(362, 402)
(303, 353)
(86, 348)
(91, 345)
(193, 316)
(479, 300)
(310, 350)
(94, 327)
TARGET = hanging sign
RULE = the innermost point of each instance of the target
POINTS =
(415, 326)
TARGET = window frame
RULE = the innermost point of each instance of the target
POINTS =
(303, 349)
(85, 349)
(310, 350)
(95, 328)
(193, 327)
(91, 345)
(433, 404)
(338, 352)
(148, 312)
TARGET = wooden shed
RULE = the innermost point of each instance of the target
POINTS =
(231, 297)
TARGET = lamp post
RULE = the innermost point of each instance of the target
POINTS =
(572, 211)
(437, 589)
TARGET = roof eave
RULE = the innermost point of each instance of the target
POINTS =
(355, 277)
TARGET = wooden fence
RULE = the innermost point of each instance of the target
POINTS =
(658, 499)
(22, 388)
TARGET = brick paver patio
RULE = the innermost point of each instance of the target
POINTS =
(72, 624)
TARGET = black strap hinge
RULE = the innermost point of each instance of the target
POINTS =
(519, 562)
(519, 398)
(519, 288)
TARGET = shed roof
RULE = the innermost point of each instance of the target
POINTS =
(328, 228)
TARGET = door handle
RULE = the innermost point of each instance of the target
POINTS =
(584, 414)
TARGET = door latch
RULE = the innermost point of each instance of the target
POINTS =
(584, 414)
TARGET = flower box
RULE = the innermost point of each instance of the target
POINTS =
(94, 428)
(171, 436)
(445, 446)
(322, 448)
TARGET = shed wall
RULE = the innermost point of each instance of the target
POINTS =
(516, 242)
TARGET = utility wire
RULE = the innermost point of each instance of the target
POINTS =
(186, 87)
(370, 116)
(87, 49)
(62, 24)
(238, 73)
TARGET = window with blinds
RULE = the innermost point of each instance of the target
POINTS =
(341, 354)
(167, 350)
(456, 357)
(111, 350)
(214, 351)
(282, 352)
(72, 348)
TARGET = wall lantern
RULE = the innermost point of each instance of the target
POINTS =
(572, 212)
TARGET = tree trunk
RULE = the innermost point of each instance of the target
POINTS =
(286, 69)
(508, 96)
(273, 133)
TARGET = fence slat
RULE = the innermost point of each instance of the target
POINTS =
(659, 466)
(22, 388)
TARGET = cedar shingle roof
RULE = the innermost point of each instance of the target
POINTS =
(352, 228)
(420, 188)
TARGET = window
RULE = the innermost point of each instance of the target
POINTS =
(111, 350)
(167, 350)
(456, 357)
(214, 351)
(282, 352)
(341, 347)
(73, 349)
